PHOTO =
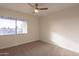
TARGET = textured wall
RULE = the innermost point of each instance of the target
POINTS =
(61, 28)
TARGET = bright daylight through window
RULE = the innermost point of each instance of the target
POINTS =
(12, 27)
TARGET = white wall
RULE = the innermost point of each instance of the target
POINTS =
(13, 40)
(61, 28)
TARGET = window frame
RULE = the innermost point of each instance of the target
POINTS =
(16, 20)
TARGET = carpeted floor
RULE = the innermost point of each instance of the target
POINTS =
(37, 48)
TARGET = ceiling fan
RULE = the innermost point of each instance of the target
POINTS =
(36, 8)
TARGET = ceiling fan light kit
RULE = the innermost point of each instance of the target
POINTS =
(36, 10)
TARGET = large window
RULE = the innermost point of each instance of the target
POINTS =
(12, 27)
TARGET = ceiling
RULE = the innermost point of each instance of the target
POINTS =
(25, 8)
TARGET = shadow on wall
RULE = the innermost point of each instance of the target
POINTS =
(63, 42)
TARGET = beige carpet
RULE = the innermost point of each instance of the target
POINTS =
(37, 48)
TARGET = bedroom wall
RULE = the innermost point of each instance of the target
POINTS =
(14, 40)
(61, 28)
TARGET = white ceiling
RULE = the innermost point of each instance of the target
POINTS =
(25, 8)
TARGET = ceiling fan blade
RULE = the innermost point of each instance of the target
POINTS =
(30, 5)
(42, 8)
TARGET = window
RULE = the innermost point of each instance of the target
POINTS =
(21, 27)
(12, 27)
